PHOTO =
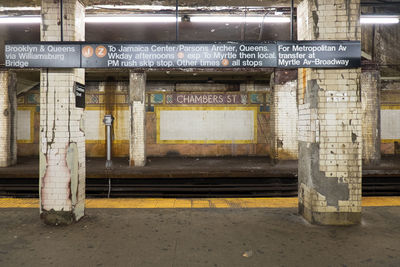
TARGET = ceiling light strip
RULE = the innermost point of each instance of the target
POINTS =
(130, 19)
(379, 20)
(238, 19)
(193, 19)
(20, 20)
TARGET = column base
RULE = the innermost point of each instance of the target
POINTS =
(286, 155)
(7, 163)
(56, 218)
(372, 162)
(137, 163)
(330, 218)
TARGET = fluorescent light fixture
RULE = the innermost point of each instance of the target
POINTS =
(20, 8)
(172, 8)
(238, 19)
(193, 19)
(276, 20)
(130, 19)
(20, 20)
(379, 19)
(137, 7)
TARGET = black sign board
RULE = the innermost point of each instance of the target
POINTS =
(79, 90)
(299, 54)
(319, 54)
(45, 55)
(179, 55)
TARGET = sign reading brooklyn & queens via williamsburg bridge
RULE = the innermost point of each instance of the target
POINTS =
(290, 54)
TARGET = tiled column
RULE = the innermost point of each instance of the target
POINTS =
(283, 121)
(8, 118)
(137, 111)
(330, 139)
(371, 107)
(62, 135)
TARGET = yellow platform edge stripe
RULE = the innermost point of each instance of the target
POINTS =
(175, 203)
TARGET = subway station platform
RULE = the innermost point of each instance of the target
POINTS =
(313, 80)
(200, 235)
(194, 177)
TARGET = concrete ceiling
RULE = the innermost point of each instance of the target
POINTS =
(154, 32)
(166, 32)
(270, 3)
(191, 3)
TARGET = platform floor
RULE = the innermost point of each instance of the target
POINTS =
(173, 167)
(198, 237)
(193, 203)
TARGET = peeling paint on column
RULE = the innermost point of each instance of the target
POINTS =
(311, 95)
(12, 98)
(56, 181)
(73, 165)
(330, 148)
(42, 172)
(315, 21)
(353, 138)
(309, 162)
(348, 12)
(326, 186)
(137, 110)
(371, 132)
(8, 119)
(135, 89)
(62, 136)
(82, 124)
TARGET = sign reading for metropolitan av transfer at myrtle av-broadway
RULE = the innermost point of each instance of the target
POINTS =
(319, 54)
(299, 54)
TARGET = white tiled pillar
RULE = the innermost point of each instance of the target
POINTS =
(371, 107)
(62, 135)
(137, 111)
(330, 139)
(8, 118)
(283, 121)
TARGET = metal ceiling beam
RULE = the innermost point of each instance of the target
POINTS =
(190, 3)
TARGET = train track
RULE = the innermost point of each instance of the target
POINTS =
(194, 187)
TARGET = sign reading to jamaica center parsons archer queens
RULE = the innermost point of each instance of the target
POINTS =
(299, 54)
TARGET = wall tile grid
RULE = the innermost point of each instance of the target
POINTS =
(96, 108)
(61, 125)
(137, 111)
(335, 122)
(62, 136)
(370, 99)
(138, 147)
(73, 30)
(284, 116)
